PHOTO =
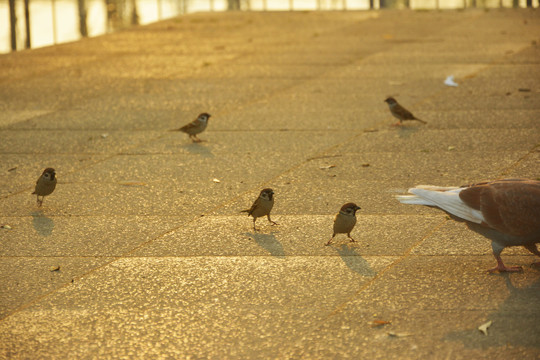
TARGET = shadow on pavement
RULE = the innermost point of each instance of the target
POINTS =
(407, 130)
(198, 149)
(43, 225)
(269, 243)
(511, 325)
(355, 261)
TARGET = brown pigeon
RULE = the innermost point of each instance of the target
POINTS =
(506, 211)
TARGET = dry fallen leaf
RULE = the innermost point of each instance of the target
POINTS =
(133, 183)
(399, 335)
(378, 323)
(6, 226)
(370, 130)
(484, 327)
(55, 268)
(327, 167)
(365, 165)
(216, 180)
(322, 157)
(450, 148)
(104, 135)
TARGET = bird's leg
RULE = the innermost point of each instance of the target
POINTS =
(254, 228)
(196, 139)
(399, 123)
(532, 248)
(349, 236)
(330, 241)
(40, 202)
(502, 268)
(273, 222)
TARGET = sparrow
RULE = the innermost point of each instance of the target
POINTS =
(262, 206)
(505, 211)
(45, 185)
(400, 112)
(345, 221)
(195, 127)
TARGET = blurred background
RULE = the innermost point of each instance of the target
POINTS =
(36, 23)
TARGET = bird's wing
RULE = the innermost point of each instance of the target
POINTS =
(189, 126)
(254, 206)
(37, 182)
(451, 202)
(509, 206)
(407, 115)
(446, 198)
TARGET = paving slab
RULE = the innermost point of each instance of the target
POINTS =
(142, 252)
(424, 320)
(29, 278)
(294, 236)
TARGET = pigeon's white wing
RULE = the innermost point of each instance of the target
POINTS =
(444, 198)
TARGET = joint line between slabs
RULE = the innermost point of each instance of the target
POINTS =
(405, 255)
(367, 284)
(519, 161)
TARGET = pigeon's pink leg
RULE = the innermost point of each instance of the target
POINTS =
(502, 268)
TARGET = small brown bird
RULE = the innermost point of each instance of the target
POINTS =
(505, 211)
(345, 221)
(400, 112)
(262, 206)
(45, 185)
(195, 127)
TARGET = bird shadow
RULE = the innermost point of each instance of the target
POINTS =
(355, 261)
(198, 149)
(514, 323)
(42, 224)
(269, 243)
(406, 131)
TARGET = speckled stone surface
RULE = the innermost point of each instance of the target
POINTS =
(142, 252)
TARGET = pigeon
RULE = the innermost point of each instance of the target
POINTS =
(507, 211)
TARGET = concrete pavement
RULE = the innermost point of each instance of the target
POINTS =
(140, 253)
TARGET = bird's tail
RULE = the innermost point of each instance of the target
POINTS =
(446, 198)
(247, 210)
